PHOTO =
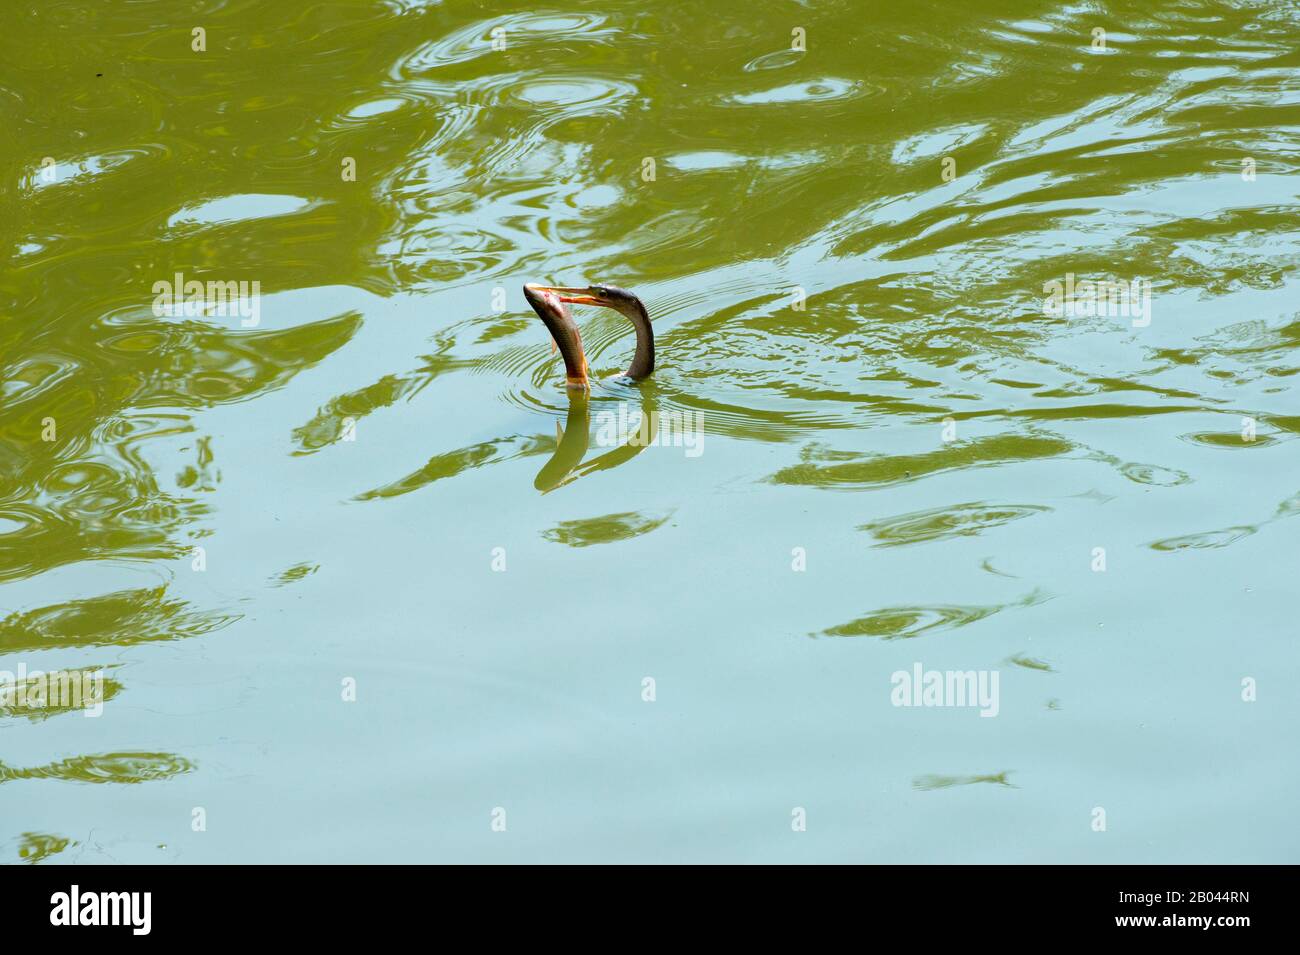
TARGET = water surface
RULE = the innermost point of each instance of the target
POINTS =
(377, 485)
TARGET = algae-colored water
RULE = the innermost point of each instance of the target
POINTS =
(354, 596)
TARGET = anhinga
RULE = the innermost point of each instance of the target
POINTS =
(549, 303)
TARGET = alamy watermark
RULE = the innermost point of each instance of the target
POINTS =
(1098, 297)
(61, 690)
(921, 687)
(178, 298)
(75, 907)
(661, 429)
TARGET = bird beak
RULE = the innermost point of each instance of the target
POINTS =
(574, 296)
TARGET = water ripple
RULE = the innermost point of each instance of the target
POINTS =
(122, 768)
(944, 523)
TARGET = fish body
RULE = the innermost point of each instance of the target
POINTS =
(564, 332)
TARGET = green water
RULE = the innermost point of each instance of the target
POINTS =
(914, 464)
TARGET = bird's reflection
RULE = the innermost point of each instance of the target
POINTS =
(573, 440)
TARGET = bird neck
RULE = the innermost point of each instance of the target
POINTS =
(643, 362)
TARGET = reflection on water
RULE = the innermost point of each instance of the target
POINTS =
(888, 470)
(845, 250)
(104, 768)
(38, 697)
(34, 847)
(896, 623)
(456, 462)
(961, 520)
(604, 530)
(116, 619)
(1220, 538)
(569, 461)
(295, 573)
(929, 783)
(1031, 663)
